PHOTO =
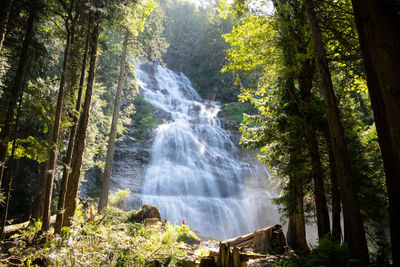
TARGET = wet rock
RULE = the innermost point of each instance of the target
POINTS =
(229, 125)
(146, 212)
(143, 156)
(162, 114)
(152, 83)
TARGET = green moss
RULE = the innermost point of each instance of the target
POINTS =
(143, 117)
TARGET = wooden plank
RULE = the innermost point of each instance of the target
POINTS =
(236, 262)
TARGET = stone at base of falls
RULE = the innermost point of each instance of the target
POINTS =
(145, 212)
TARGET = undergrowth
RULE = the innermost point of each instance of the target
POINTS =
(328, 253)
(112, 241)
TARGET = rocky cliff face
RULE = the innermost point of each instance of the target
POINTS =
(190, 166)
(130, 160)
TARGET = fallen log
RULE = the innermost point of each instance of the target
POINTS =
(238, 240)
(266, 240)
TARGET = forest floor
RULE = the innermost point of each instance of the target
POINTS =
(113, 241)
(116, 240)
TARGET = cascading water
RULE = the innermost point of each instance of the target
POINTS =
(194, 172)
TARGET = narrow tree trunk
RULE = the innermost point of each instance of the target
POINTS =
(335, 195)
(354, 228)
(10, 172)
(319, 194)
(38, 207)
(296, 233)
(71, 143)
(55, 134)
(379, 33)
(305, 80)
(15, 91)
(4, 20)
(73, 181)
(113, 132)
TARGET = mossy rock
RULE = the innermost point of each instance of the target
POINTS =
(145, 212)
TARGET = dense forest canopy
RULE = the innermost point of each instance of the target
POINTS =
(313, 86)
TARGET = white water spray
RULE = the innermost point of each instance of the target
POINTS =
(195, 173)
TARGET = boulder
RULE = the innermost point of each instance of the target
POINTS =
(145, 212)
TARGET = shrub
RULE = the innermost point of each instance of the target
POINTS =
(328, 253)
(234, 111)
(187, 236)
(117, 199)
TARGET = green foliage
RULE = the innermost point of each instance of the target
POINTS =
(113, 242)
(268, 53)
(187, 236)
(328, 253)
(134, 14)
(197, 48)
(143, 118)
(117, 199)
(234, 111)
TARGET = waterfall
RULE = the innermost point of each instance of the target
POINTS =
(195, 172)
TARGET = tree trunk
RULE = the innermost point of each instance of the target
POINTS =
(353, 224)
(296, 233)
(38, 207)
(56, 132)
(68, 158)
(335, 194)
(305, 80)
(73, 181)
(379, 33)
(319, 194)
(4, 20)
(113, 132)
(10, 172)
(15, 91)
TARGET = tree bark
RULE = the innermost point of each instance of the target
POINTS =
(72, 138)
(38, 206)
(4, 20)
(56, 129)
(10, 172)
(323, 222)
(335, 195)
(296, 233)
(379, 34)
(16, 90)
(353, 224)
(305, 80)
(73, 181)
(113, 132)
